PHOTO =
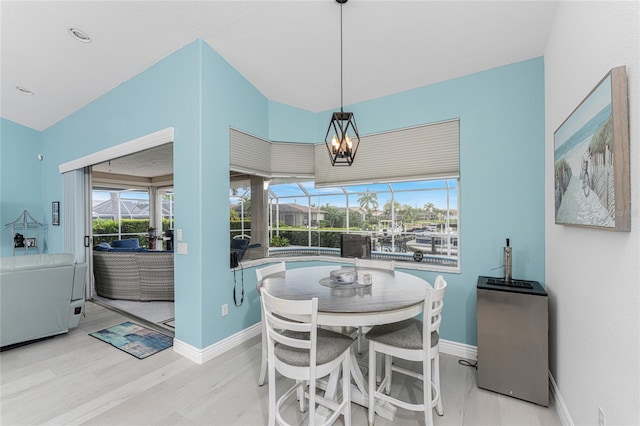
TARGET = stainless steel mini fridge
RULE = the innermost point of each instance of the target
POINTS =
(513, 342)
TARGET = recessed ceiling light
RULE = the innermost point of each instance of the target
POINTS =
(79, 35)
(24, 90)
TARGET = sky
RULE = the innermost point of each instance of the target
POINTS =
(593, 104)
(415, 194)
(421, 193)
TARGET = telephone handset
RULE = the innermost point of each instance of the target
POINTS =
(233, 261)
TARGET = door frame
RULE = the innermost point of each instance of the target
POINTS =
(150, 140)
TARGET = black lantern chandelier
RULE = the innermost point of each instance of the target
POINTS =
(342, 147)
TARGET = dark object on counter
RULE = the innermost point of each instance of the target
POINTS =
(355, 245)
(169, 235)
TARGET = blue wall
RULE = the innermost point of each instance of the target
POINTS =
(229, 100)
(166, 95)
(195, 91)
(20, 181)
(501, 114)
(289, 124)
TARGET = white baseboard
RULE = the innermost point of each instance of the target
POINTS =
(561, 407)
(200, 356)
(459, 349)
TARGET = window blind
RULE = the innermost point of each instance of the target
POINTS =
(425, 152)
(252, 155)
(292, 159)
(249, 154)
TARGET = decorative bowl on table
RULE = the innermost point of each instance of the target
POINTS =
(343, 277)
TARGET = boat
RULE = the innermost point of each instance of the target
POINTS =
(387, 230)
(434, 243)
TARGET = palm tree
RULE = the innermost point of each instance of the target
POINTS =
(369, 202)
(387, 208)
(409, 214)
(246, 205)
(332, 215)
(429, 207)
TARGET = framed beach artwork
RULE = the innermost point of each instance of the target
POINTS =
(591, 159)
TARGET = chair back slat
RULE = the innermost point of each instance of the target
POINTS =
(375, 264)
(277, 313)
(270, 270)
(293, 323)
(433, 305)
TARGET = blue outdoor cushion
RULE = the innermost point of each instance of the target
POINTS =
(133, 243)
(129, 249)
(239, 244)
(102, 247)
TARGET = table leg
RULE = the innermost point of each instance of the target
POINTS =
(359, 392)
(330, 392)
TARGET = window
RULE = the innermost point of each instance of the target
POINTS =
(126, 213)
(409, 208)
(240, 210)
(167, 201)
(414, 222)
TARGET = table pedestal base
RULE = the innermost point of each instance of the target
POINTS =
(359, 393)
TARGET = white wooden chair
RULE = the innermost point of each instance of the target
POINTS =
(299, 350)
(370, 264)
(406, 340)
(260, 274)
(387, 265)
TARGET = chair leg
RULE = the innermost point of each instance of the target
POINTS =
(272, 395)
(379, 366)
(436, 382)
(263, 363)
(360, 338)
(300, 396)
(387, 373)
(346, 387)
(312, 402)
(372, 383)
(427, 393)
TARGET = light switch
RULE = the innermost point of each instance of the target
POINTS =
(179, 234)
(182, 248)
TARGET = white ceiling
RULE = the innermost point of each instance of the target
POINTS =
(150, 163)
(289, 50)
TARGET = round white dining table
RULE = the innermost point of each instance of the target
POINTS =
(392, 296)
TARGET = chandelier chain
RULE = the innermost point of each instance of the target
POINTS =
(341, 61)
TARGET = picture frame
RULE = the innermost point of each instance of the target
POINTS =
(55, 213)
(591, 159)
(31, 242)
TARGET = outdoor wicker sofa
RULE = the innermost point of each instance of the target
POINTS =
(134, 275)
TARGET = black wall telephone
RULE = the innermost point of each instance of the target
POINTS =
(233, 263)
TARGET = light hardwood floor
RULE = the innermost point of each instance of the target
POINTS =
(77, 379)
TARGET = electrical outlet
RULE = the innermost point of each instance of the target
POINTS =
(182, 248)
(602, 419)
(225, 310)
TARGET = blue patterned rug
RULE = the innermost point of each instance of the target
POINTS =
(134, 339)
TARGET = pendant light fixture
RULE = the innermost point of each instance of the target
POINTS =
(342, 137)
